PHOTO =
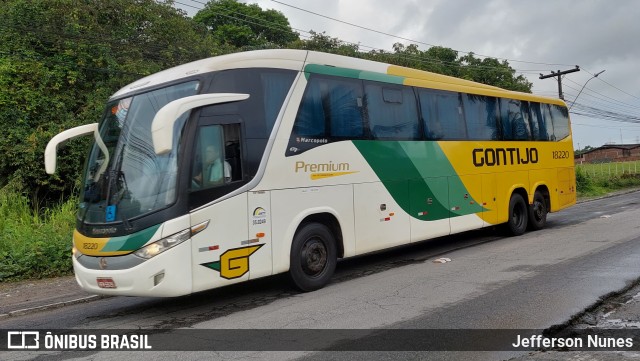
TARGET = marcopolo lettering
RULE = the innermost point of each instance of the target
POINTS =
(490, 157)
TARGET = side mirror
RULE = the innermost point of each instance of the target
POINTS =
(166, 117)
(51, 151)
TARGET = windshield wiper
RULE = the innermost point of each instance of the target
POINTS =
(117, 188)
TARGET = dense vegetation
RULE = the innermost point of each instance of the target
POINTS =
(594, 180)
(61, 59)
(34, 244)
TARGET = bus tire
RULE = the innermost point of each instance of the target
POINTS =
(518, 215)
(313, 257)
(537, 212)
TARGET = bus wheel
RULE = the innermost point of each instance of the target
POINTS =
(313, 257)
(537, 212)
(518, 215)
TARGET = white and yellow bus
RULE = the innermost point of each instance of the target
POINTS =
(251, 164)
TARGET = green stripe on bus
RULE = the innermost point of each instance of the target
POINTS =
(351, 73)
(131, 242)
(431, 177)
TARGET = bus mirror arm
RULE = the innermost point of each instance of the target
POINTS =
(166, 117)
(51, 150)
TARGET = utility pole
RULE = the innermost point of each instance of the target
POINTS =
(621, 136)
(559, 74)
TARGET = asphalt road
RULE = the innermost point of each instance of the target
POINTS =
(533, 281)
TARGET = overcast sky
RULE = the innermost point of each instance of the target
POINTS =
(536, 36)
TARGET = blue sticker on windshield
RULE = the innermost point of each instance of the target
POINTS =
(111, 213)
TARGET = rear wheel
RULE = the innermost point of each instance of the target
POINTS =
(538, 212)
(313, 257)
(518, 215)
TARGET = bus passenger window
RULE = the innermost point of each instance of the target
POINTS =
(217, 158)
(538, 129)
(546, 118)
(275, 86)
(392, 111)
(310, 119)
(331, 110)
(442, 114)
(526, 116)
(560, 118)
(514, 124)
(343, 104)
(480, 115)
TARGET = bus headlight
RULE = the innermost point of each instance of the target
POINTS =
(155, 248)
(75, 252)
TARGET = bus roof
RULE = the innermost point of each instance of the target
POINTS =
(300, 60)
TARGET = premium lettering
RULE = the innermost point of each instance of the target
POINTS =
(321, 167)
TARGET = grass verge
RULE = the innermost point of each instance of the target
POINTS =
(589, 185)
(34, 244)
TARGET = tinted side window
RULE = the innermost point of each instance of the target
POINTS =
(515, 119)
(538, 128)
(392, 111)
(560, 116)
(311, 118)
(331, 110)
(442, 115)
(343, 106)
(275, 84)
(546, 117)
(267, 89)
(216, 159)
(481, 117)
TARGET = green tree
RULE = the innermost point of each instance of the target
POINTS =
(584, 150)
(59, 62)
(493, 72)
(446, 61)
(327, 44)
(245, 25)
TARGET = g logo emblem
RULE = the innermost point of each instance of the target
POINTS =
(233, 263)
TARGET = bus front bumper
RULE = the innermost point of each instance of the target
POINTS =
(165, 275)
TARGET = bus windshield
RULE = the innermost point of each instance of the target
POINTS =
(135, 180)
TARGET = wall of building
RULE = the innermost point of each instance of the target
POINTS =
(602, 155)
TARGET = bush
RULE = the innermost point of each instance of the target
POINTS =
(34, 244)
(584, 183)
(589, 186)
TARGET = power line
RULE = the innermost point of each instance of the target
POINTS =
(73, 65)
(527, 71)
(606, 104)
(629, 128)
(147, 50)
(615, 87)
(602, 113)
(559, 76)
(358, 45)
(593, 113)
(354, 25)
(465, 52)
(412, 40)
(604, 97)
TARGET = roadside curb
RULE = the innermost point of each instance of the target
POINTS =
(609, 195)
(51, 306)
